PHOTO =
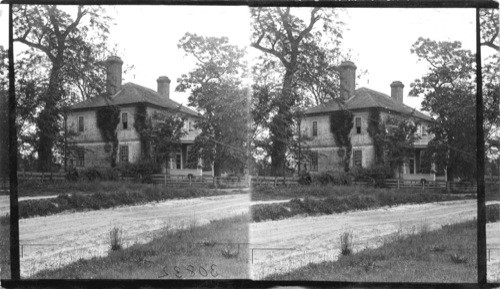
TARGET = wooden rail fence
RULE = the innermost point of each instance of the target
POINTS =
(247, 181)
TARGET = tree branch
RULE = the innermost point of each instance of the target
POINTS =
(73, 25)
(314, 19)
(270, 51)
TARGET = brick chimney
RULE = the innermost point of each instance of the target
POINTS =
(164, 86)
(397, 91)
(113, 74)
(347, 79)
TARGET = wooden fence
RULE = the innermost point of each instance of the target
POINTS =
(257, 180)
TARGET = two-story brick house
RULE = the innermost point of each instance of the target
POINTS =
(326, 155)
(92, 151)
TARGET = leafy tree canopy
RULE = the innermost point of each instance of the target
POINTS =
(449, 91)
(217, 90)
(301, 45)
(62, 58)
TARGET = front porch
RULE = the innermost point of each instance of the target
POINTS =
(415, 167)
(179, 164)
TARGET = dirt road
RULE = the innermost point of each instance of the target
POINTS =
(316, 239)
(60, 239)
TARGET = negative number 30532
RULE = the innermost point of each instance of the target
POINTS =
(189, 271)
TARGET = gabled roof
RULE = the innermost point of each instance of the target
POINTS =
(132, 93)
(365, 98)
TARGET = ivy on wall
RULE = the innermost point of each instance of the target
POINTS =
(376, 131)
(108, 118)
(341, 123)
(143, 126)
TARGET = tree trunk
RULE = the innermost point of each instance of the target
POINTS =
(281, 126)
(47, 122)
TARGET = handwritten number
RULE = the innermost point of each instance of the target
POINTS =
(203, 274)
(177, 272)
(190, 268)
(213, 271)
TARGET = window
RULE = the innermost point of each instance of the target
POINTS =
(358, 158)
(412, 166)
(80, 157)
(314, 161)
(315, 128)
(178, 161)
(358, 125)
(80, 124)
(124, 120)
(190, 126)
(424, 130)
(124, 154)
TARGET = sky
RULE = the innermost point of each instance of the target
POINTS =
(379, 39)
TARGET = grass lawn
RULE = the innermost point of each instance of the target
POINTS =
(267, 193)
(195, 253)
(445, 255)
(36, 188)
(343, 199)
(119, 194)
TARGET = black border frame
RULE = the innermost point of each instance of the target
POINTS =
(17, 282)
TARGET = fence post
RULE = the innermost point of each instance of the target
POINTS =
(275, 181)
(398, 184)
(165, 178)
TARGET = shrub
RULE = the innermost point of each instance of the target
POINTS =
(346, 243)
(376, 173)
(305, 178)
(91, 174)
(492, 213)
(333, 178)
(72, 175)
(115, 236)
(140, 169)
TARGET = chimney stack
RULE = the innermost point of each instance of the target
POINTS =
(397, 91)
(164, 86)
(347, 79)
(113, 74)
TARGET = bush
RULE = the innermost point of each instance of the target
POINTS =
(141, 171)
(115, 236)
(91, 174)
(72, 175)
(305, 178)
(346, 243)
(377, 174)
(333, 178)
(492, 213)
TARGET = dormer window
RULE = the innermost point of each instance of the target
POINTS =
(124, 120)
(358, 125)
